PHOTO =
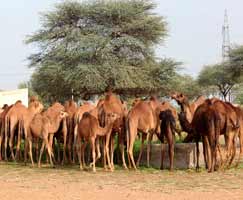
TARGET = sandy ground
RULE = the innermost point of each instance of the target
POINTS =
(22, 182)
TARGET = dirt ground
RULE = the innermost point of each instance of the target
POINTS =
(23, 182)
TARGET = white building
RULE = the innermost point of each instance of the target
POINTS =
(11, 96)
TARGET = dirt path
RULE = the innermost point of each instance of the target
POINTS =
(21, 182)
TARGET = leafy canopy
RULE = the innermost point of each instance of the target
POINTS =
(93, 45)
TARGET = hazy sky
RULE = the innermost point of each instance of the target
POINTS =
(195, 28)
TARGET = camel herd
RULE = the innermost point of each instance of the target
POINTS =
(99, 124)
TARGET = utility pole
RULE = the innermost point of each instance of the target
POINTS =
(226, 44)
(226, 38)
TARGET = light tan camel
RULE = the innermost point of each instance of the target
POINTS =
(112, 104)
(89, 129)
(186, 107)
(16, 115)
(42, 127)
(71, 108)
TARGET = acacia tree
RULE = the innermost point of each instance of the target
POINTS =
(218, 75)
(93, 45)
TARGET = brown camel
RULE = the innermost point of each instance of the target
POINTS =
(112, 104)
(229, 126)
(186, 107)
(167, 129)
(86, 107)
(206, 124)
(42, 126)
(89, 129)
(16, 115)
(5, 108)
(61, 132)
(70, 108)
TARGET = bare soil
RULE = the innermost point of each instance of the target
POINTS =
(23, 182)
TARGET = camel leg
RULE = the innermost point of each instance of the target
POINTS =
(69, 147)
(51, 138)
(170, 140)
(82, 151)
(98, 150)
(205, 153)
(26, 145)
(198, 153)
(229, 148)
(37, 148)
(30, 152)
(50, 153)
(58, 151)
(162, 152)
(233, 151)
(241, 145)
(64, 144)
(141, 149)
(6, 127)
(107, 142)
(121, 146)
(112, 140)
(150, 136)
(1, 137)
(11, 139)
(41, 152)
(130, 150)
(208, 153)
(17, 155)
(104, 153)
(80, 155)
(92, 141)
(212, 150)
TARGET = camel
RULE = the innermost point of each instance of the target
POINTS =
(86, 107)
(144, 117)
(186, 107)
(229, 126)
(89, 129)
(141, 117)
(167, 129)
(61, 132)
(112, 104)
(17, 114)
(206, 125)
(70, 108)
(5, 109)
(42, 126)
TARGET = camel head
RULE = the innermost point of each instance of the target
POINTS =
(111, 117)
(179, 97)
(63, 114)
(37, 106)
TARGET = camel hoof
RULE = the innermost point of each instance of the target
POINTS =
(125, 167)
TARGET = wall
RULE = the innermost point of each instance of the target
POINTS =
(10, 97)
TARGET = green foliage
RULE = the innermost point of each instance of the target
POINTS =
(235, 66)
(187, 85)
(219, 76)
(93, 45)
